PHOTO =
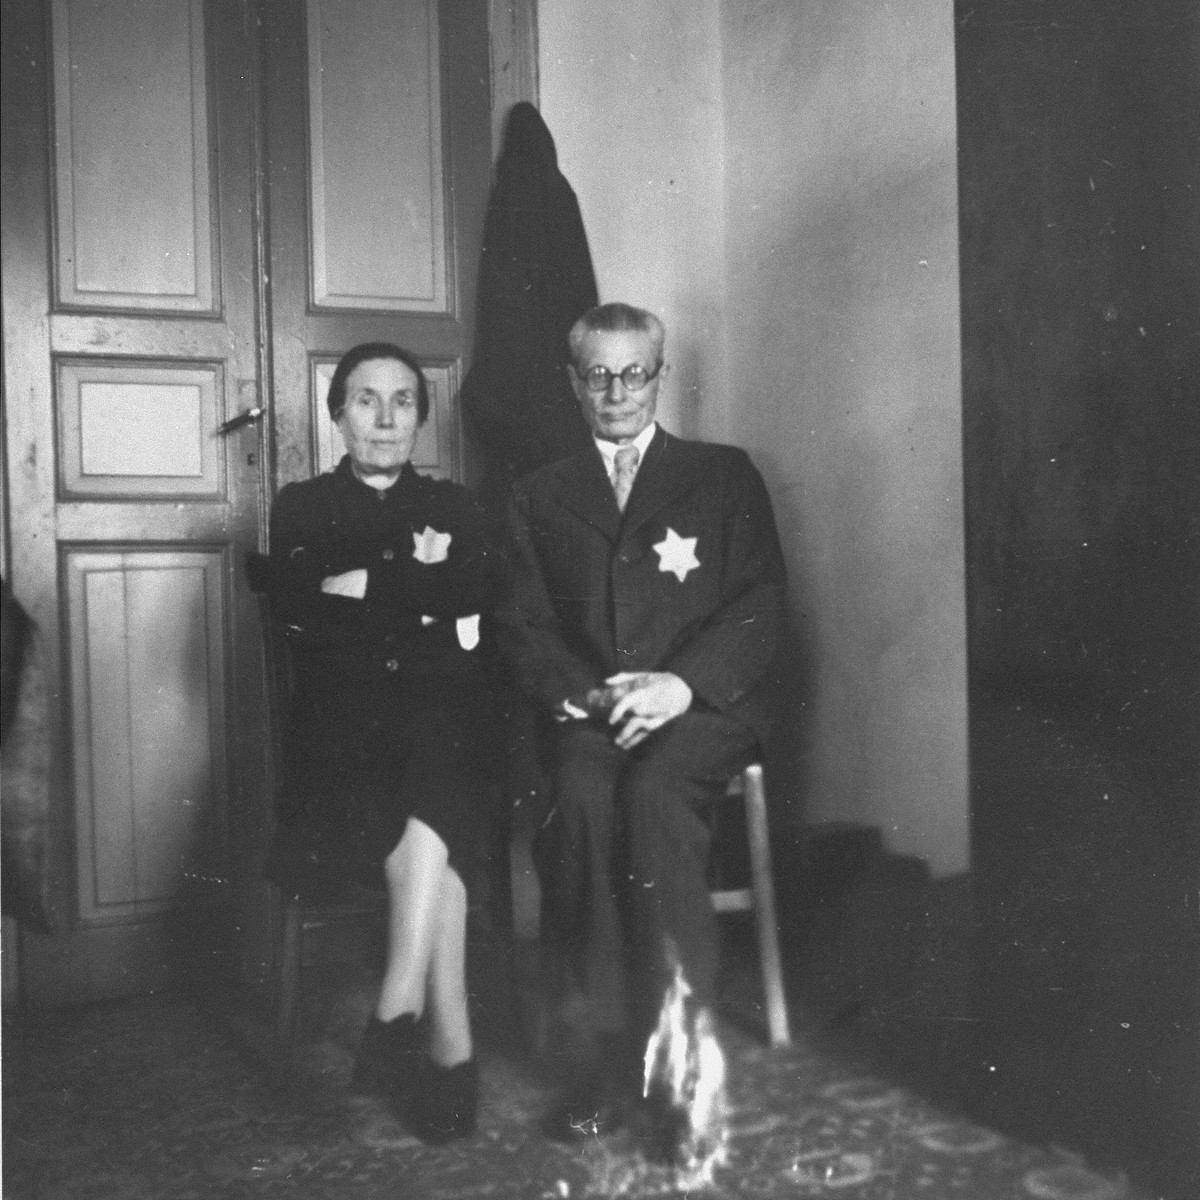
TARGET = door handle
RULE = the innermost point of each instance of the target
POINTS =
(243, 418)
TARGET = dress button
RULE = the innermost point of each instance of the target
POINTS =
(389, 554)
(392, 664)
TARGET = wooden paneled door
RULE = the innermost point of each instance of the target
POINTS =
(204, 203)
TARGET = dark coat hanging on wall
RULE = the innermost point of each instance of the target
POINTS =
(535, 280)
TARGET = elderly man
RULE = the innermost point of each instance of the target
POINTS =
(645, 614)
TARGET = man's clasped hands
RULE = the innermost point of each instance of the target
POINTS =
(639, 702)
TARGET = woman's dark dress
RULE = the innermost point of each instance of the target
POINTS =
(391, 716)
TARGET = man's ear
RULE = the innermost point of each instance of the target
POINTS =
(577, 385)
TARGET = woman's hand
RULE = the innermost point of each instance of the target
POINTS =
(348, 583)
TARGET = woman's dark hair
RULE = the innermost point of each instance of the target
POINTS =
(367, 352)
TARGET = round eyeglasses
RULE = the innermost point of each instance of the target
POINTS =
(634, 377)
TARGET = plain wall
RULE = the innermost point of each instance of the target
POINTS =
(778, 182)
(842, 252)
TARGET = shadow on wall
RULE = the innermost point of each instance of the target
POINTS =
(1081, 279)
(1081, 272)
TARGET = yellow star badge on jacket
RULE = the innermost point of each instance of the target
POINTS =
(677, 554)
(431, 547)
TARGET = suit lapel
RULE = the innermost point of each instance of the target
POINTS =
(584, 488)
(662, 476)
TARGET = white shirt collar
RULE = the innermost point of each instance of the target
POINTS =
(608, 450)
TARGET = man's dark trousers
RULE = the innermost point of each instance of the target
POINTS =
(629, 860)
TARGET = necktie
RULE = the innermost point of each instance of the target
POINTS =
(625, 464)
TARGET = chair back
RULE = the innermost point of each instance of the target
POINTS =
(277, 655)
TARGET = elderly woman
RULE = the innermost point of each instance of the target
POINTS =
(380, 576)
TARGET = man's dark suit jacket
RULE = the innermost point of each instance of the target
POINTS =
(596, 592)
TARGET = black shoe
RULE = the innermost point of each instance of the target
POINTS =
(449, 1102)
(662, 1127)
(389, 1059)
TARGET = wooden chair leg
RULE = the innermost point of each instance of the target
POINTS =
(764, 905)
(524, 887)
(288, 973)
(527, 961)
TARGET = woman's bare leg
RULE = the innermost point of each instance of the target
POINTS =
(449, 1019)
(415, 871)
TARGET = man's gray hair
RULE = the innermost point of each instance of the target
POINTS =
(617, 318)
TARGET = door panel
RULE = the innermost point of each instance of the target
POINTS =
(148, 718)
(375, 153)
(139, 430)
(131, 124)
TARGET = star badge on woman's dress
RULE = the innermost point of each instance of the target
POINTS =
(677, 554)
(431, 547)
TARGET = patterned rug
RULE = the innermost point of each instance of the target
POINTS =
(166, 1098)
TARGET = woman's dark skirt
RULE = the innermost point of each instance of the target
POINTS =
(364, 756)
